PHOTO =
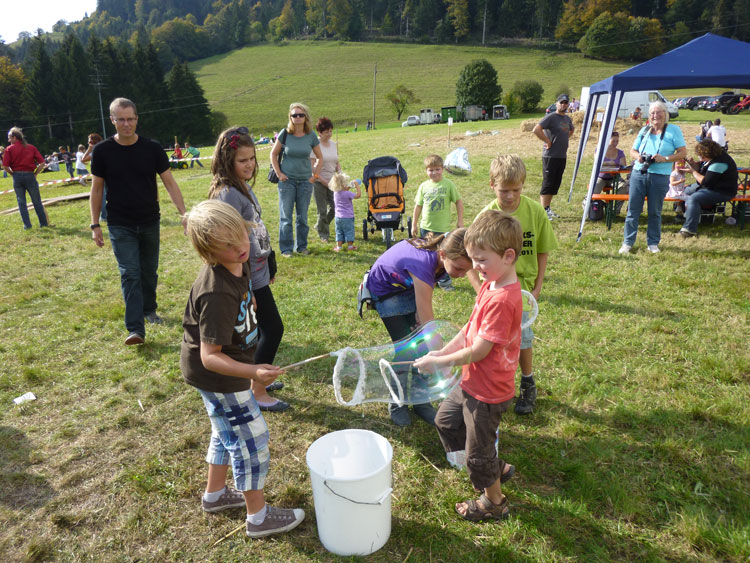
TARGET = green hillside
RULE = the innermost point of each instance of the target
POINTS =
(254, 85)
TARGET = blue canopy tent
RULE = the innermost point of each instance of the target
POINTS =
(710, 60)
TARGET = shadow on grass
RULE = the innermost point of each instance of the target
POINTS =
(19, 487)
(612, 307)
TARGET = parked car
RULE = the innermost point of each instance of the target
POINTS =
(712, 104)
(411, 120)
(694, 100)
(679, 103)
(551, 109)
(703, 104)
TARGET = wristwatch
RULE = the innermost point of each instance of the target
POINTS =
(95, 226)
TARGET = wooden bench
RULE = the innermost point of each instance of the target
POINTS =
(739, 205)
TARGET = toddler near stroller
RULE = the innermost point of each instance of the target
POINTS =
(344, 209)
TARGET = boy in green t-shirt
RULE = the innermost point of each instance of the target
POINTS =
(507, 176)
(432, 210)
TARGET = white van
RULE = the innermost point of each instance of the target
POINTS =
(632, 100)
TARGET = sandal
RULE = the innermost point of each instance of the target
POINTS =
(507, 475)
(484, 509)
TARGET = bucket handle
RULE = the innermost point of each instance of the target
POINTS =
(380, 501)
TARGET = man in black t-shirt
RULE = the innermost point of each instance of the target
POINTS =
(129, 164)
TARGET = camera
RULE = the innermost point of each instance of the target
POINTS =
(646, 160)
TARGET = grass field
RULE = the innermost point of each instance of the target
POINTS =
(336, 78)
(637, 449)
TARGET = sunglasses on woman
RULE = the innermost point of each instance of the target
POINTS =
(298, 115)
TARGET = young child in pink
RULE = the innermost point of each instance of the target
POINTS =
(344, 209)
(677, 188)
(488, 348)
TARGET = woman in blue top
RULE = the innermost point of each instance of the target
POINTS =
(296, 177)
(402, 281)
(657, 146)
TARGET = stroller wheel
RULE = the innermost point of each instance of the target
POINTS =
(364, 229)
(388, 236)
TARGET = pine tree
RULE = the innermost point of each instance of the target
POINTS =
(188, 100)
(72, 91)
(38, 96)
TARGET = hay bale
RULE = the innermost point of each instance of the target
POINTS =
(528, 125)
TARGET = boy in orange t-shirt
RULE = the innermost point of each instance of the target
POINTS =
(488, 348)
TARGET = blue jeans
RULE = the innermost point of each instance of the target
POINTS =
(137, 252)
(26, 182)
(693, 207)
(655, 187)
(344, 229)
(293, 193)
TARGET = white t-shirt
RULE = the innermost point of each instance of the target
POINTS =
(718, 134)
(79, 161)
(330, 160)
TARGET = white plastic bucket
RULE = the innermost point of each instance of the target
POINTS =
(350, 471)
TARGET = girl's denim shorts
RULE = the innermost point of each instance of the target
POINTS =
(396, 304)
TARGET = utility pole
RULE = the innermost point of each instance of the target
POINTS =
(97, 82)
(374, 84)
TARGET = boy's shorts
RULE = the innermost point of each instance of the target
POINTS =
(527, 334)
(238, 435)
(344, 229)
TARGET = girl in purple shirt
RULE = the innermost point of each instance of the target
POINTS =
(402, 281)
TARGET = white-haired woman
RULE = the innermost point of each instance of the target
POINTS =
(657, 146)
(296, 177)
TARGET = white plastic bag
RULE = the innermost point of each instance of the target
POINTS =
(457, 162)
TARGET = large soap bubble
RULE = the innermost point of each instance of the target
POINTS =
(385, 373)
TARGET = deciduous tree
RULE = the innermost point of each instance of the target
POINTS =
(477, 84)
(401, 97)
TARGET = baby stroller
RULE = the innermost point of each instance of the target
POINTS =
(384, 180)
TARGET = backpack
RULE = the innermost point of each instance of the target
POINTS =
(364, 297)
(596, 210)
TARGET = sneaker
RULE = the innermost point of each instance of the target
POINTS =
(278, 406)
(625, 249)
(134, 338)
(446, 285)
(338, 248)
(286, 254)
(527, 400)
(426, 412)
(304, 252)
(551, 214)
(275, 386)
(653, 249)
(399, 415)
(155, 319)
(456, 459)
(231, 498)
(351, 247)
(684, 233)
(277, 520)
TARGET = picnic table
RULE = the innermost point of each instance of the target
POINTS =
(609, 196)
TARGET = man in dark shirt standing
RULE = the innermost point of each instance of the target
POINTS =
(129, 163)
(554, 130)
